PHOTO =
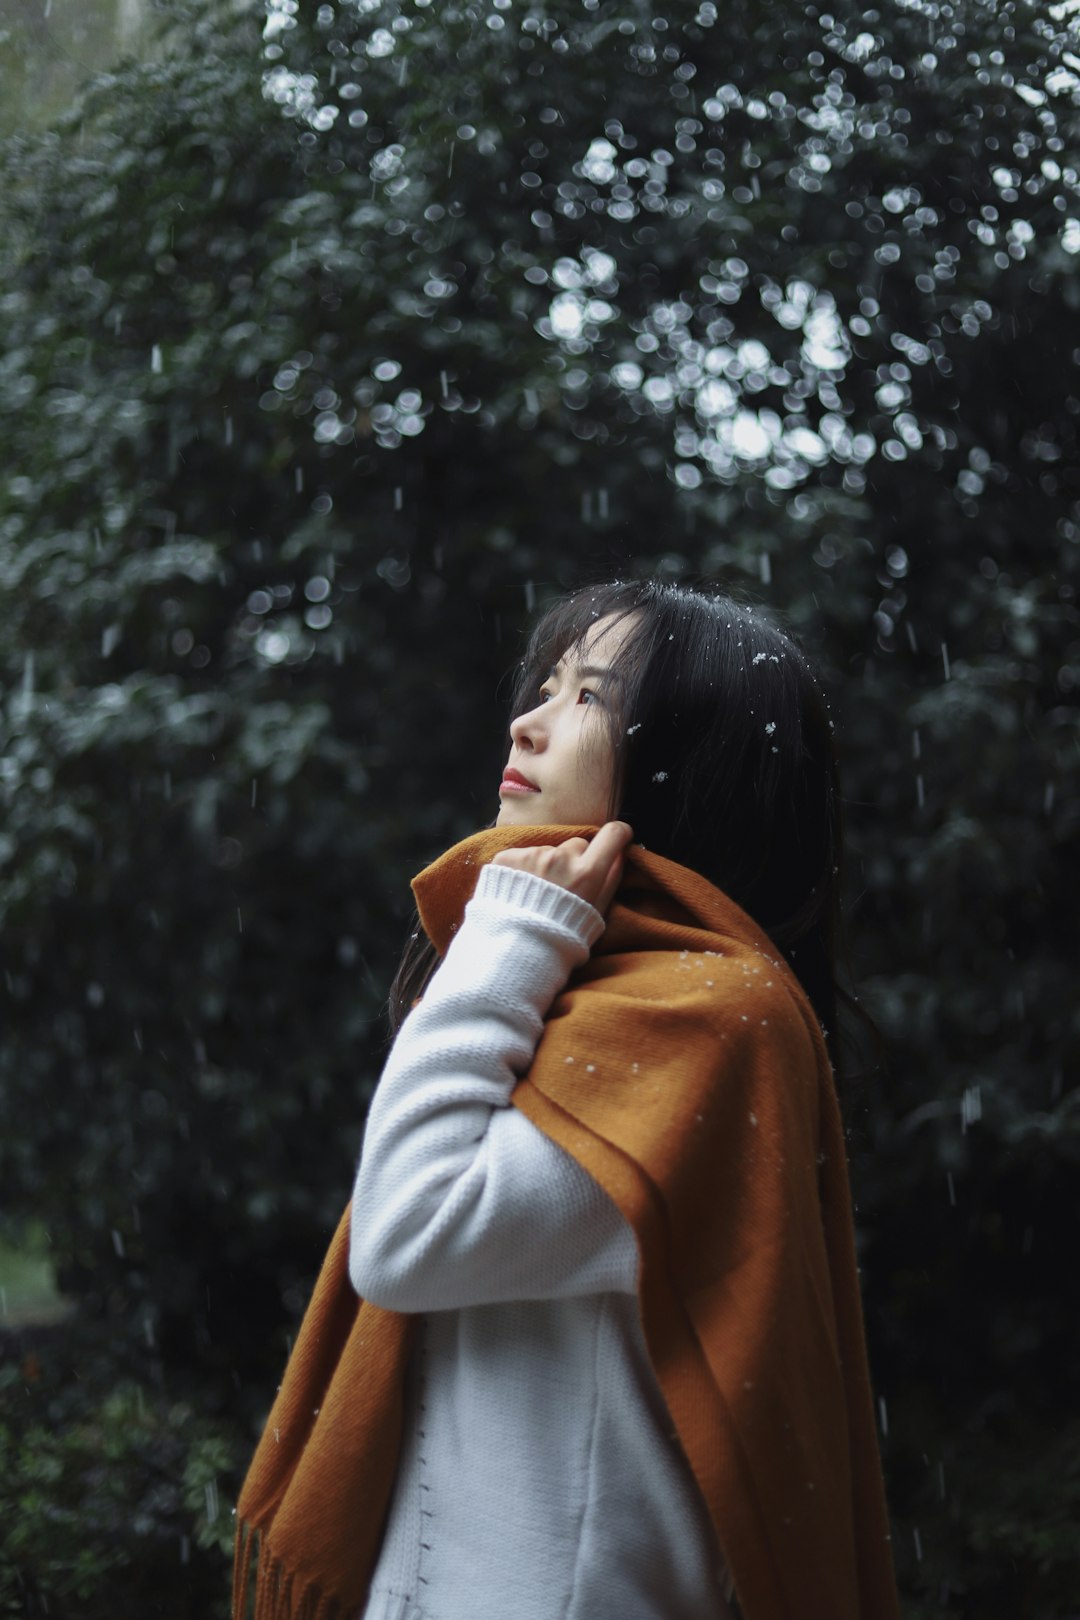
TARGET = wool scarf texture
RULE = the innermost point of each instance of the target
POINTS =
(684, 1068)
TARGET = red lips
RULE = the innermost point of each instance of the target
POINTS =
(515, 779)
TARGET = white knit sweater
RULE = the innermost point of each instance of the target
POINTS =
(539, 1477)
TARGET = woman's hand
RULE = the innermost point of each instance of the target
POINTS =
(591, 870)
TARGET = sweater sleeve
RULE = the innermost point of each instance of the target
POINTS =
(459, 1199)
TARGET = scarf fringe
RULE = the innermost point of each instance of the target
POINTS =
(276, 1596)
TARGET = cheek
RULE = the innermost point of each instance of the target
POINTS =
(598, 758)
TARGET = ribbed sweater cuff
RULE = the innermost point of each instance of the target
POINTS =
(524, 892)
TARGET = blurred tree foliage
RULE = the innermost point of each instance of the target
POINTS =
(335, 339)
(48, 47)
(106, 1489)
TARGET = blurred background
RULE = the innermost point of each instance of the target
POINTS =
(335, 339)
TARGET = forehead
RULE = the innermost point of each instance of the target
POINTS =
(602, 642)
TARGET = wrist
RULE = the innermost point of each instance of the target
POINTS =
(530, 895)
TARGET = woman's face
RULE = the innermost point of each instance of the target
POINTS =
(561, 761)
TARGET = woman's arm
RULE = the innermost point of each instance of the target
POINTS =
(459, 1199)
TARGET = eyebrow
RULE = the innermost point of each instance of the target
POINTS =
(584, 671)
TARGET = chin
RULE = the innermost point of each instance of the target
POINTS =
(514, 815)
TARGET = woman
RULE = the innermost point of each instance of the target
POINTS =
(609, 1362)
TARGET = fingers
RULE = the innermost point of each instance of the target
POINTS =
(589, 869)
(539, 857)
(609, 842)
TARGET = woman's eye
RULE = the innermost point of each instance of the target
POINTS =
(585, 693)
(544, 694)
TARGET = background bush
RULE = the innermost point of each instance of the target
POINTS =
(336, 339)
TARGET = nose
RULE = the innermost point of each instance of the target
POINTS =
(527, 731)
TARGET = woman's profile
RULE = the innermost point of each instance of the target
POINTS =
(588, 1342)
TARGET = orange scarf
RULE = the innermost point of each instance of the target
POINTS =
(684, 1069)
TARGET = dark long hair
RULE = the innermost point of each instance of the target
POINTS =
(725, 761)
